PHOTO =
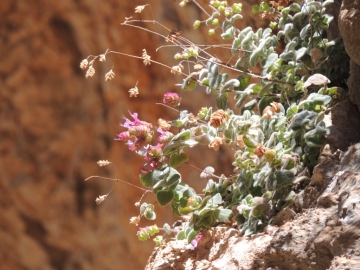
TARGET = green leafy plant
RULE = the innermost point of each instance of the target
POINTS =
(272, 119)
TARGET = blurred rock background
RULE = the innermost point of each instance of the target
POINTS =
(55, 125)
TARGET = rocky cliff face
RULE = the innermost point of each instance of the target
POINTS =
(55, 126)
(319, 231)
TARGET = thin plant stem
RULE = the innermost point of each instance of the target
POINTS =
(117, 180)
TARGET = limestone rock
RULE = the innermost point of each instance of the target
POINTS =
(349, 26)
(323, 235)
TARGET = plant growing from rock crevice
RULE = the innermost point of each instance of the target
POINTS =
(272, 120)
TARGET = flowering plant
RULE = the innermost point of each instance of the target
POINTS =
(275, 127)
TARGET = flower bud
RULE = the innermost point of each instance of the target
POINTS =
(215, 22)
(197, 24)
(171, 99)
(153, 230)
(270, 155)
(158, 240)
(237, 8)
(211, 32)
(143, 234)
(215, 3)
(182, 4)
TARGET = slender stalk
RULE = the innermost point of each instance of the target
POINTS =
(117, 180)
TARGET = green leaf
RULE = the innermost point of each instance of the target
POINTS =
(244, 82)
(249, 106)
(255, 9)
(235, 17)
(295, 7)
(255, 57)
(167, 229)
(221, 101)
(229, 33)
(149, 180)
(327, 2)
(284, 178)
(304, 31)
(300, 53)
(270, 60)
(148, 211)
(314, 4)
(250, 141)
(191, 235)
(164, 196)
(231, 83)
(235, 45)
(291, 111)
(180, 235)
(182, 136)
(150, 215)
(215, 200)
(223, 214)
(178, 159)
(248, 91)
(287, 55)
(264, 7)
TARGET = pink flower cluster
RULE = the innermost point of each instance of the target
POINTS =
(138, 135)
(138, 138)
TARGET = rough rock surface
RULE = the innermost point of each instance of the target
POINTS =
(323, 234)
(349, 26)
(344, 125)
(55, 125)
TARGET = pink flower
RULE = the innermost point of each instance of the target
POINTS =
(201, 238)
(165, 136)
(154, 152)
(150, 166)
(136, 122)
(171, 99)
(124, 136)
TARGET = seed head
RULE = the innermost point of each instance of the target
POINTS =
(271, 110)
(102, 58)
(84, 63)
(218, 118)
(110, 75)
(134, 91)
(90, 72)
(198, 67)
(215, 144)
(176, 70)
(102, 163)
(163, 124)
(135, 220)
(100, 199)
(139, 9)
(146, 58)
